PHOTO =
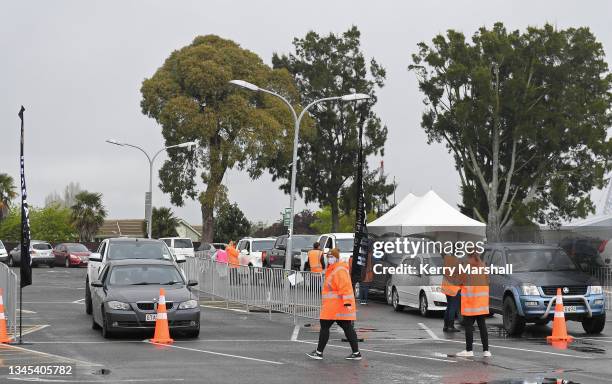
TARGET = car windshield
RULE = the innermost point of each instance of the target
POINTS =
(183, 243)
(1, 245)
(138, 250)
(345, 245)
(77, 248)
(262, 245)
(144, 275)
(540, 260)
(41, 246)
(301, 242)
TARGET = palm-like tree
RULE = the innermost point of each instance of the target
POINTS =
(7, 193)
(88, 214)
(164, 223)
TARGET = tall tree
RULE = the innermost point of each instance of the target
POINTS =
(7, 194)
(164, 223)
(327, 66)
(88, 214)
(191, 99)
(53, 223)
(524, 115)
(231, 223)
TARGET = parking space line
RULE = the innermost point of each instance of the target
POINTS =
(225, 309)
(79, 301)
(51, 355)
(216, 353)
(429, 331)
(296, 332)
(523, 349)
(383, 352)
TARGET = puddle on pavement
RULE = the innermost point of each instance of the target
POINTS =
(103, 371)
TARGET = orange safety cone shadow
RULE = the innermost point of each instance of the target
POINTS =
(162, 331)
(559, 336)
(4, 338)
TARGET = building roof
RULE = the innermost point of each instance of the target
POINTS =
(115, 228)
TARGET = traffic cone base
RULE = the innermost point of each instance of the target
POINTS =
(559, 327)
(162, 331)
(4, 338)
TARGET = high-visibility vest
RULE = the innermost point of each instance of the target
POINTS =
(475, 294)
(451, 282)
(314, 260)
(337, 291)
(232, 257)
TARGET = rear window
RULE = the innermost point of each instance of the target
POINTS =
(301, 242)
(262, 245)
(138, 250)
(77, 248)
(41, 246)
(345, 245)
(183, 243)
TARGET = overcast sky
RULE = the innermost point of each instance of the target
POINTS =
(77, 67)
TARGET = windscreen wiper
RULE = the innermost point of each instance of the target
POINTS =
(141, 283)
(172, 282)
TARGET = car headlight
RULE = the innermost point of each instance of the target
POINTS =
(118, 305)
(189, 304)
(530, 290)
(596, 289)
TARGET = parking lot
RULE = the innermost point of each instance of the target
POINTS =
(241, 347)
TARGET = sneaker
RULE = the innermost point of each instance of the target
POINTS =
(364, 303)
(465, 354)
(450, 330)
(354, 356)
(486, 354)
(315, 355)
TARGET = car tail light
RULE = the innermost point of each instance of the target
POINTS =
(602, 246)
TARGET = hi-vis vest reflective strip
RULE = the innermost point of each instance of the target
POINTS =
(474, 300)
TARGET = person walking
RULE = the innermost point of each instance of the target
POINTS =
(315, 258)
(366, 280)
(475, 306)
(451, 287)
(337, 306)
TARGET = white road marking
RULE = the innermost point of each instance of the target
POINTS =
(51, 302)
(25, 311)
(54, 356)
(429, 331)
(216, 353)
(225, 309)
(33, 329)
(523, 349)
(383, 352)
(79, 301)
(296, 332)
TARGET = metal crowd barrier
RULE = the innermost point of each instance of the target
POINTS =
(10, 288)
(604, 276)
(258, 289)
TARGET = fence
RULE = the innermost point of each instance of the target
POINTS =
(10, 294)
(264, 289)
(604, 276)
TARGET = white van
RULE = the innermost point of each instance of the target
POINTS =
(181, 247)
(343, 241)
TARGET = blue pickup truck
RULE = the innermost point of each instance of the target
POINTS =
(528, 295)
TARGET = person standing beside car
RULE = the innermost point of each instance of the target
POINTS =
(233, 262)
(451, 288)
(475, 306)
(315, 258)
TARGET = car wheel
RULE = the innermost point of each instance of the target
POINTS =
(396, 305)
(423, 305)
(67, 262)
(87, 298)
(389, 294)
(51, 264)
(514, 323)
(357, 291)
(10, 262)
(106, 333)
(594, 325)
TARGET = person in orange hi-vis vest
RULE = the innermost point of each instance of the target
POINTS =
(337, 306)
(233, 262)
(314, 258)
(451, 287)
(475, 305)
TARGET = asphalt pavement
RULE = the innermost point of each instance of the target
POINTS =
(239, 347)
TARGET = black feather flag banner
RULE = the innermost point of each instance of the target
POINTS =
(26, 262)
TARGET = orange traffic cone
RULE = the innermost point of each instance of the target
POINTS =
(4, 338)
(162, 332)
(559, 328)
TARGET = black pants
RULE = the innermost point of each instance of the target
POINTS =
(468, 323)
(347, 327)
(452, 307)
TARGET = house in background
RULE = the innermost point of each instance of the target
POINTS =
(184, 229)
(134, 228)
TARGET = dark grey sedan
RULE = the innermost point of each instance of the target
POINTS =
(125, 297)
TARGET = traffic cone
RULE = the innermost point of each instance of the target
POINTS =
(4, 338)
(559, 329)
(162, 331)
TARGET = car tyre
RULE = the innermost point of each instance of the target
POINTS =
(388, 294)
(357, 291)
(106, 333)
(51, 264)
(423, 305)
(10, 262)
(396, 305)
(87, 298)
(594, 325)
(67, 262)
(514, 323)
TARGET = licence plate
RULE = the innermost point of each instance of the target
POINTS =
(570, 308)
(150, 316)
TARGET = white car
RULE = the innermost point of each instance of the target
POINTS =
(121, 248)
(181, 247)
(343, 241)
(3, 253)
(422, 291)
(251, 250)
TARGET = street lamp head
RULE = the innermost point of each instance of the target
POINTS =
(187, 144)
(354, 97)
(245, 84)
(115, 142)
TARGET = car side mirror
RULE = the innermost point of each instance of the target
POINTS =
(97, 283)
(95, 257)
(192, 283)
(282, 247)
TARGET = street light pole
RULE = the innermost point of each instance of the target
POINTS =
(151, 160)
(297, 121)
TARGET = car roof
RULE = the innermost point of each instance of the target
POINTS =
(340, 235)
(132, 240)
(141, 262)
(174, 238)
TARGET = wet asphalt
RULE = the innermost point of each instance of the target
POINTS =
(239, 347)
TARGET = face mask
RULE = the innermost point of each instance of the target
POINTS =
(331, 260)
